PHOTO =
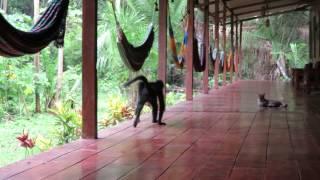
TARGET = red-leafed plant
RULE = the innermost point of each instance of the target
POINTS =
(26, 142)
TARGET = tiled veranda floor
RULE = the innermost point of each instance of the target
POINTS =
(222, 135)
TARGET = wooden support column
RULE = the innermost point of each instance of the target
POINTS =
(189, 57)
(236, 57)
(232, 50)
(162, 65)
(216, 44)
(224, 45)
(207, 48)
(89, 72)
(240, 50)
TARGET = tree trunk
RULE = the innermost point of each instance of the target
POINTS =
(59, 75)
(36, 60)
(4, 5)
(282, 66)
(133, 91)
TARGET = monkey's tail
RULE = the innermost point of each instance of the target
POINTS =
(138, 78)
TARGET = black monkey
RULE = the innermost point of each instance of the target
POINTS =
(149, 92)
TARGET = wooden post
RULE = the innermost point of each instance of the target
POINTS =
(232, 50)
(89, 72)
(236, 57)
(207, 48)
(224, 45)
(162, 65)
(240, 50)
(189, 56)
(216, 44)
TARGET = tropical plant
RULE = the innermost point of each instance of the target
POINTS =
(68, 125)
(283, 36)
(298, 55)
(118, 111)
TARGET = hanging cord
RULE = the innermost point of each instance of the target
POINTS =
(115, 15)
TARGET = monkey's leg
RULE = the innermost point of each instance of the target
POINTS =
(154, 109)
(162, 108)
(139, 108)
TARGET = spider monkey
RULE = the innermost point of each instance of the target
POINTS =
(149, 92)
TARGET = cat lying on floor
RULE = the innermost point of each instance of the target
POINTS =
(263, 102)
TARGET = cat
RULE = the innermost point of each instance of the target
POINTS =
(263, 102)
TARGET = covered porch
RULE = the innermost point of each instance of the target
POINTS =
(220, 135)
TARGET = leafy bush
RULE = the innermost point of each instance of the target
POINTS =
(118, 111)
(174, 97)
(43, 143)
(68, 125)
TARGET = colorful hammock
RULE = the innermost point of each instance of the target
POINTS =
(235, 65)
(133, 56)
(50, 27)
(178, 59)
(229, 61)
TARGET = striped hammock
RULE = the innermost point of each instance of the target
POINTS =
(50, 27)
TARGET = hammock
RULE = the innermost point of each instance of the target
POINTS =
(235, 62)
(178, 59)
(222, 58)
(213, 56)
(199, 60)
(199, 56)
(229, 61)
(50, 27)
(133, 56)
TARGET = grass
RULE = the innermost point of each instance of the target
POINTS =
(38, 126)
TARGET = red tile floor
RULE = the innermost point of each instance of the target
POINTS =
(223, 135)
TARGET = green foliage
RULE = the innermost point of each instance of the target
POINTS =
(298, 55)
(118, 111)
(68, 124)
(15, 86)
(174, 97)
(283, 36)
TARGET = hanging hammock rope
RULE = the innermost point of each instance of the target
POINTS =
(50, 27)
(134, 56)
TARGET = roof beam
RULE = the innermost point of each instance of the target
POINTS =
(270, 8)
(225, 4)
(274, 14)
(255, 4)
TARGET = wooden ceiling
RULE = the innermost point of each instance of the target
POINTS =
(251, 9)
